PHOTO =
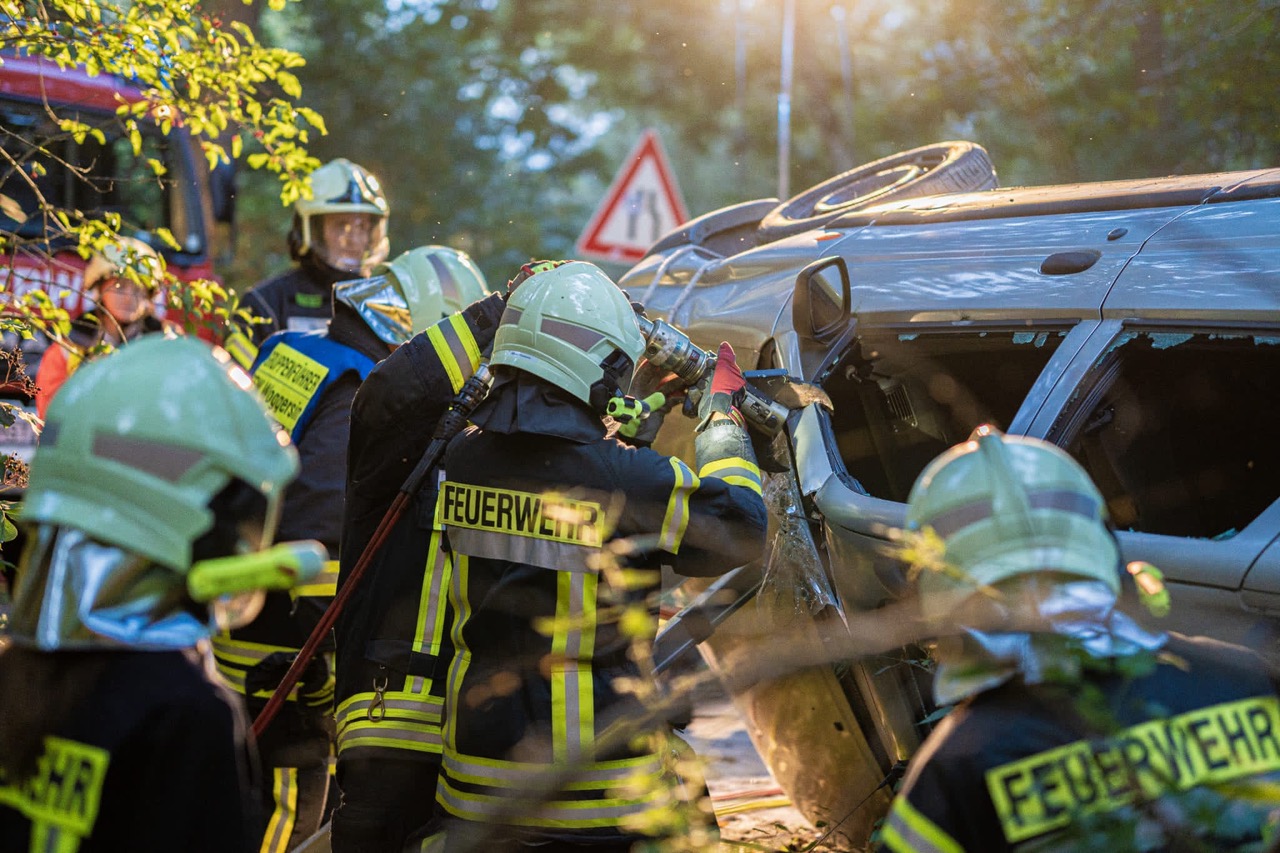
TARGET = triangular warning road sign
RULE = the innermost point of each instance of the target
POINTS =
(642, 204)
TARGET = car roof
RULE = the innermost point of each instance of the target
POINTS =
(1197, 247)
(1202, 247)
(1009, 202)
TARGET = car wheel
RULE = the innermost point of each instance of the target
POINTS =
(725, 232)
(944, 167)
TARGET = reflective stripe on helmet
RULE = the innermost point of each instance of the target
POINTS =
(953, 520)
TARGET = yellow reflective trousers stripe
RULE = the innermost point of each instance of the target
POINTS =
(457, 349)
(284, 791)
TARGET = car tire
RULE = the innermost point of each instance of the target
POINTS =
(944, 167)
(725, 232)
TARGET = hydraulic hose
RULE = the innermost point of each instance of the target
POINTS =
(472, 392)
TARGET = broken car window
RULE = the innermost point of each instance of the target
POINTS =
(901, 399)
(1171, 427)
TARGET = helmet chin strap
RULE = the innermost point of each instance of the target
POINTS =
(615, 367)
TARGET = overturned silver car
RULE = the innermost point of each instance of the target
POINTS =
(1134, 323)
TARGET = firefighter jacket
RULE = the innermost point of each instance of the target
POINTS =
(308, 380)
(300, 299)
(393, 634)
(1114, 763)
(152, 759)
(555, 529)
(60, 360)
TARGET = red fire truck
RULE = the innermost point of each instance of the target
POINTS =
(94, 176)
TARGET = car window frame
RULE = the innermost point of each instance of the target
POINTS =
(1216, 563)
(821, 472)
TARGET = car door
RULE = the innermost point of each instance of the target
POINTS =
(1165, 407)
(903, 395)
(1165, 420)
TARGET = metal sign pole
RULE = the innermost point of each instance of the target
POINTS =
(784, 98)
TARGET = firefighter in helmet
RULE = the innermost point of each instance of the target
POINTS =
(121, 281)
(1074, 727)
(338, 233)
(540, 505)
(393, 636)
(153, 494)
(308, 380)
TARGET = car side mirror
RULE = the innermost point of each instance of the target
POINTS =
(814, 314)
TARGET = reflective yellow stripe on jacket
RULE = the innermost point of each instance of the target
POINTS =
(323, 585)
(407, 718)
(909, 831)
(239, 347)
(456, 347)
(573, 729)
(676, 518)
(599, 794)
(734, 470)
(234, 658)
(391, 720)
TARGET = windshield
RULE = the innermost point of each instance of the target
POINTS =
(94, 177)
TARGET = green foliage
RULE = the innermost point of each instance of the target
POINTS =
(497, 125)
(216, 81)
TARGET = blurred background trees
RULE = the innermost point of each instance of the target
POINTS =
(497, 125)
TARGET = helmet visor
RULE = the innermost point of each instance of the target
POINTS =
(380, 305)
(350, 242)
(78, 593)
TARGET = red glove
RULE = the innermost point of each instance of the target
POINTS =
(728, 378)
(725, 393)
